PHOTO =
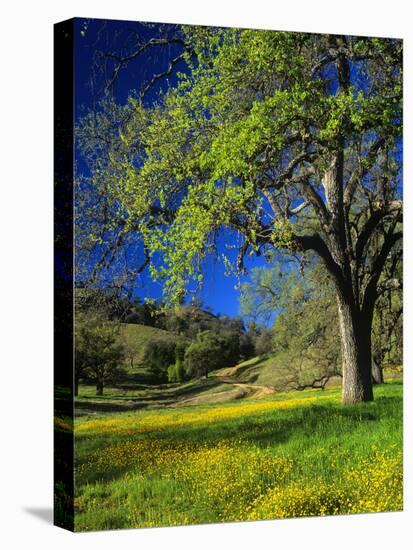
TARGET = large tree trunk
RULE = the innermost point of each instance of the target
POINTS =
(355, 332)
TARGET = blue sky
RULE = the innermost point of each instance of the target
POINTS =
(219, 291)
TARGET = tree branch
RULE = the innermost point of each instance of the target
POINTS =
(379, 212)
(162, 74)
(316, 243)
(318, 383)
(364, 166)
(121, 61)
(370, 293)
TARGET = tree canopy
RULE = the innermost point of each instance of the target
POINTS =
(285, 140)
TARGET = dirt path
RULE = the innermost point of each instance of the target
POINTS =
(256, 391)
(241, 390)
(230, 376)
(252, 390)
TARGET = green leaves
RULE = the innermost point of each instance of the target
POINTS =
(217, 149)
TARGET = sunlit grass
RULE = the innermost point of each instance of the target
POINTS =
(289, 455)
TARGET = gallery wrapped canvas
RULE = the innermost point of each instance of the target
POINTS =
(228, 274)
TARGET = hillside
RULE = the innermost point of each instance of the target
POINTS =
(274, 370)
(271, 370)
(137, 336)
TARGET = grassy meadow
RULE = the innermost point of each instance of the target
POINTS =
(278, 456)
(237, 318)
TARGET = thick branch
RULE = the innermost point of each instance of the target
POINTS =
(364, 166)
(379, 212)
(370, 294)
(318, 383)
(316, 243)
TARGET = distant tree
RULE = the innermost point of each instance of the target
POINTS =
(246, 346)
(262, 295)
(177, 320)
(305, 332)
(176, 372)
(81, 358)
(387, 336)
(306, 337)
(203, 355)
(99, 352)
(264, 342)
(159, 354)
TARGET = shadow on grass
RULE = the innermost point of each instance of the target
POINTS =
(262, 430)
(310, 424)
(157, 396)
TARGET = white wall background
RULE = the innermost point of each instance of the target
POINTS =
(26, 272)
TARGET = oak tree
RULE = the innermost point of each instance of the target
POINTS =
(283, 140)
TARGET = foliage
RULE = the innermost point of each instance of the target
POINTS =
(176, 372)
(263, 343)
(246, 346)
(203, 355)
(387, 333)
(136, 337)
(240, 111)
(158, 355)
(99, 352)
(284, 140)
(305, 332)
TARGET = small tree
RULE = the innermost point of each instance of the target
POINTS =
(99, 352)
(203, 355)
(158, 356)
(305, 334)
(176, 372)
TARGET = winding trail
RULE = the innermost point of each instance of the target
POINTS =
(241, 390)
(228, 376)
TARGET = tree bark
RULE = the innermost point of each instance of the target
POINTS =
(376, 370)
(355, 332)
(99, 387)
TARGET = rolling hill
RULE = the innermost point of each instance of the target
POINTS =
(136, 338)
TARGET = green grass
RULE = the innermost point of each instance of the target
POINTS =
(131, 394)
(275, 369)
(299, 453)
(271, 370)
